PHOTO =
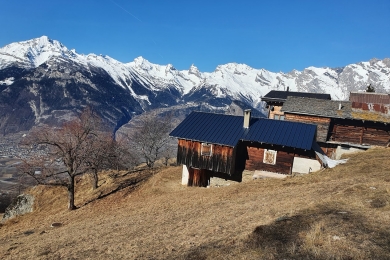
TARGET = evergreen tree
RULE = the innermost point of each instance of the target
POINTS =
(370, 88)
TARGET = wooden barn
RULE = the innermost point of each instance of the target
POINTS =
(276, 98)
(370, 98)
(342, 126)
(217, 145)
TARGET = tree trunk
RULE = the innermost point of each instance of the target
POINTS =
(71, 205)
(95, 179)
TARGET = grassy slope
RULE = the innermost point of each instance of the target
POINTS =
(340, 213)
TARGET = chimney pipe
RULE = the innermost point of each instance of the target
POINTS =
(247, 117)
(288, 89)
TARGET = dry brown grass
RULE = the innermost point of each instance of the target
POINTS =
(341, 213)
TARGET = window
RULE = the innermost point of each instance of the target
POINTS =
(206, 149)
(269, 156)
(279, 117)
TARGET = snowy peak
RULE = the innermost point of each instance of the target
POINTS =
(194, 70)
(33, 53)
(233, 80)
(141, 63)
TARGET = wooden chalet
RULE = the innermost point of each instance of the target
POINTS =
(341, 125)
(276, 98)
(217, 145)
(370, 98)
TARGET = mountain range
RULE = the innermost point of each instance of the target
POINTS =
(42, 81)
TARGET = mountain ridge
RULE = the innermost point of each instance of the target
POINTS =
(30, 70)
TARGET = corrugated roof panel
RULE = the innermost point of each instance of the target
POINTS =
(307, 139)
(228, 130)
(297, 136)
(303, 135)
(267, 131)
(279, 133)
(282, 135)
(189, 131)
(271, 133)
(286, 135)
(274, 131)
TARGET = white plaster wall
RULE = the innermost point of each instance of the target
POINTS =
(304, 165)
(185, 175)
(346, 150)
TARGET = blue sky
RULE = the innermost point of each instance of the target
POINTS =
(274, 35)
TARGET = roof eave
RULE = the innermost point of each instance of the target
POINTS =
(302, 148)
(203, 141)
(265, 99)
(309, 114)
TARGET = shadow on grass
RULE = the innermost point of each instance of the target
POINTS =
(132, 183)
(325, 232)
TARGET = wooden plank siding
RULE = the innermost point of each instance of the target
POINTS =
(360, 132)
(221, 160)
(283, 164)
(198, 177)
(251, 157)
(321, 122)
(229, 163)
(328, 149)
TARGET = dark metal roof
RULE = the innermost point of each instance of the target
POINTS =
(210, 128)
(281, 96)
(283, 133)
(228, 130)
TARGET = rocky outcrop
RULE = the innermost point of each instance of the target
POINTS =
(21, 205)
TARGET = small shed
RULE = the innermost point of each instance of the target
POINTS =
(217, 145)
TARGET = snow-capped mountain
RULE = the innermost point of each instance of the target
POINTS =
(42, 80)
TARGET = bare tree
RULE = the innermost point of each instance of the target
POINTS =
(124, 156)
(100, 151)
(68, 151)
(150, 138)
(168, 152)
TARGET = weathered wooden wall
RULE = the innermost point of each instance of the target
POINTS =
(228, 163)
(221, 160)
(198, 177)
(346, 130)
(381, 108)
(359, 132)
(328, 149)
(284, 161)
(321, 122)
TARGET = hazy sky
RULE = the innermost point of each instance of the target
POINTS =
(275, 35)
